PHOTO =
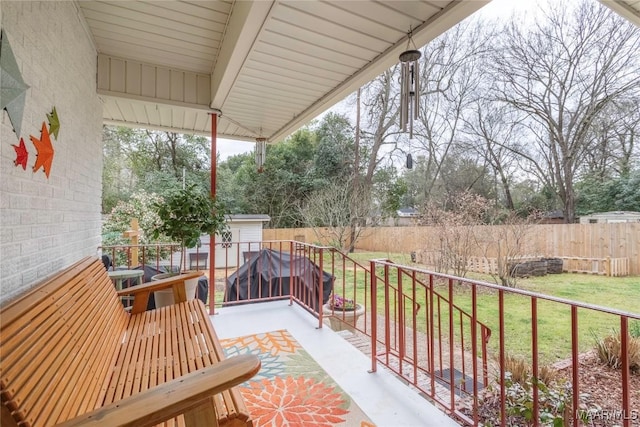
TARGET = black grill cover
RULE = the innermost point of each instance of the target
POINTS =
(270, 273)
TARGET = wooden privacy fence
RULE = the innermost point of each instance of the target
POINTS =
(617, 241)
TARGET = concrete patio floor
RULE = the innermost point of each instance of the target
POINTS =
(384, 398)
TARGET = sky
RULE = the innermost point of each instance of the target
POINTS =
(501, 9)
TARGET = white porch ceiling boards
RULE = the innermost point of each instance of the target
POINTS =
(629, 9)
(271, 65)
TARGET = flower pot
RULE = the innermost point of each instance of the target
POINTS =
(164, 297)
(343, 319)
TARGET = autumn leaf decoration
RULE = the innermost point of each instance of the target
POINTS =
(54, 123)
(44, 151)
(22, 155)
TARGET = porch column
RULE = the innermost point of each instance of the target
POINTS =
(212, 238)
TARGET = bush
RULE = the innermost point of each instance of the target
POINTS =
(609, 351)
(554, 401)
(140, 206)
(520, 371)
(554, 397)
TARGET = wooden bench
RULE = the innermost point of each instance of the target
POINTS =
(72, 355)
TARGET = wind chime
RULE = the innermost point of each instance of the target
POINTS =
(261, 153)
(409, 89)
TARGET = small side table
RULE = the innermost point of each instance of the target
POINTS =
(118, 276)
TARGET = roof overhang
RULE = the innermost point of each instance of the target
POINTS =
(629, 9)
(268, 66)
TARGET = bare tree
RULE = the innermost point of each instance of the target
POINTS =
(509, 242)
(490, 130)
(615, 137)
(456, 231)
(450, 73)
(332, 210)
(562, 73)
(380, 102)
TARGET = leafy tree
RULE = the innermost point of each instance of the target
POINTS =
(334, 153)
(615, 194)
(391, 190)
(136, 159)
(140, 206)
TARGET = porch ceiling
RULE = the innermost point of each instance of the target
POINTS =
(268, 66)
(629, 9)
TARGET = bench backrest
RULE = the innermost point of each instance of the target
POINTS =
(57, 345)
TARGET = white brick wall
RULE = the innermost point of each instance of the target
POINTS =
(47, 224)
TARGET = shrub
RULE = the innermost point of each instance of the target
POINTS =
(518, 368)
(554, 397)
(520, 371)
(609, 351)
(554, 403)
(140, 206)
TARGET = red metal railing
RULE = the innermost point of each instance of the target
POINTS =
(431, 329)
(445, 340)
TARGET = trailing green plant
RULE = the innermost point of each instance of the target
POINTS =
(554, 396)
(554, 403)
(609, 350)
(187, 214)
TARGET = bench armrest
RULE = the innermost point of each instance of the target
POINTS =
(173, 398)
(141, 292)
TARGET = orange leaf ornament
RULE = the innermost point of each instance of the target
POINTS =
(44, 151)
(22, 155)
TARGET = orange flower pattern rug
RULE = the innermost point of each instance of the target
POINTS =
(291, 389)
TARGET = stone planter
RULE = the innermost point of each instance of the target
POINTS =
(343, 319)
(164, 297)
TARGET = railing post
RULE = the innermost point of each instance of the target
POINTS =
(534, 351)
(432, 340)
(292, 282)
(374, 315)
(400, 325)
(503, 394)
(575, 378)
(624, 344)
(474, 350)
(452, 390)
(321, 280)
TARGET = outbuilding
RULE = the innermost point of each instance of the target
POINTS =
(610, 217)
(244, 234)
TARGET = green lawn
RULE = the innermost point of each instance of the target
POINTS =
(554, 319)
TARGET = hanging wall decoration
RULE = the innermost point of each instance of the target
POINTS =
(54, 123)
(12, 87)
(409, 86)
(22, 155)
(44, 151)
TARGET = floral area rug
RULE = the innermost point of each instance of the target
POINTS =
(291, 389)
